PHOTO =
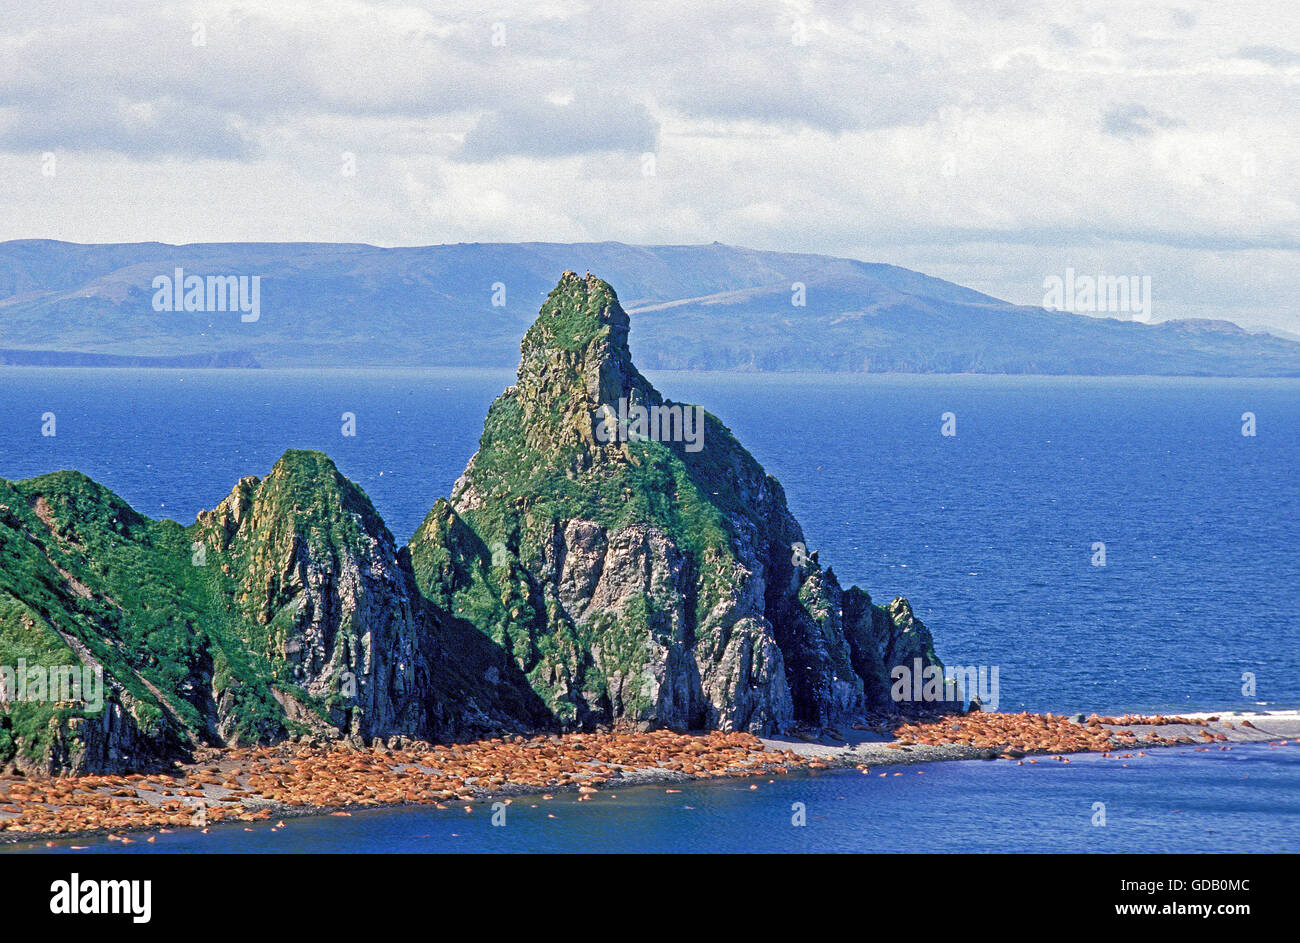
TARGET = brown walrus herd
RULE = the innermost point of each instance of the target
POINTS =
(1019, 734)
(243, 784)
(247, 784)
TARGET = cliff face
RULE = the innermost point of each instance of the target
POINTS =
(86, 583)
(607, 557)
(310, 580)
(657, 581)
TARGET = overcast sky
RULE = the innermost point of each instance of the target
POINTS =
(991, 143)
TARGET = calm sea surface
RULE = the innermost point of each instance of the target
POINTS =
(990, 534)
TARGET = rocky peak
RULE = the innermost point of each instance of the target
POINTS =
(641, 580)
(575, 369)
(581, 324)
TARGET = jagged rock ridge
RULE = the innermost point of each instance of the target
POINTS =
(286, 611)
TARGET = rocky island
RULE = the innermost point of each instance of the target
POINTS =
(573, 581)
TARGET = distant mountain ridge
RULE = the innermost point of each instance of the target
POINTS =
(71, 358)
(705, 307)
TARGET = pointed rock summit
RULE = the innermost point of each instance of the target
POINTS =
(637, 562)
(575, 369)
(581, 317)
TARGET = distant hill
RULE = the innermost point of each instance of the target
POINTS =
(710, 307)
(68, 358)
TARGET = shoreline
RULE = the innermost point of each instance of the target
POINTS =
(866, 746)
(292, 780)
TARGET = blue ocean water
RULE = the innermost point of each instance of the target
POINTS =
(990, 533)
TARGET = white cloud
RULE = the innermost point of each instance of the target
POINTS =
(987, 143)
(544, 129)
